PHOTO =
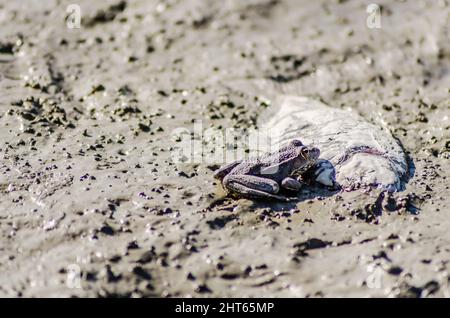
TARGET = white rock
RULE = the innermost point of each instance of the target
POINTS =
(361, 153)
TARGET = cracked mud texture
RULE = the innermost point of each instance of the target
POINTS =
(86, 123)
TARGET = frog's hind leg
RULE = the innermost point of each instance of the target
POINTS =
(244, 191)
(253, 187)
(223, 171)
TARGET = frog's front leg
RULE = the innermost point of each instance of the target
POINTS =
(253, 187)
(291, 184)
(223, 171)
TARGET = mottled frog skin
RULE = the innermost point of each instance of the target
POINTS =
(262, 178)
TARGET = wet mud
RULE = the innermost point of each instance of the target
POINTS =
(92, 203)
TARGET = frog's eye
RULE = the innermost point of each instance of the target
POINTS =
(305, 151)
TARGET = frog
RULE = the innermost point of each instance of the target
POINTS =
(263, 177)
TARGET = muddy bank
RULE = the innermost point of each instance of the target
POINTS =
(92, 203)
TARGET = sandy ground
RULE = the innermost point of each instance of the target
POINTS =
(92, 203)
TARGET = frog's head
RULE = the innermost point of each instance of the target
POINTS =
(305, 157)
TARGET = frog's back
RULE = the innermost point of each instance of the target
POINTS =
(249, 166)
(266, 166)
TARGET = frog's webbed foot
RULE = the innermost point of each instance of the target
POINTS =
(223, 171)
(253, 187)
(291, 184)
